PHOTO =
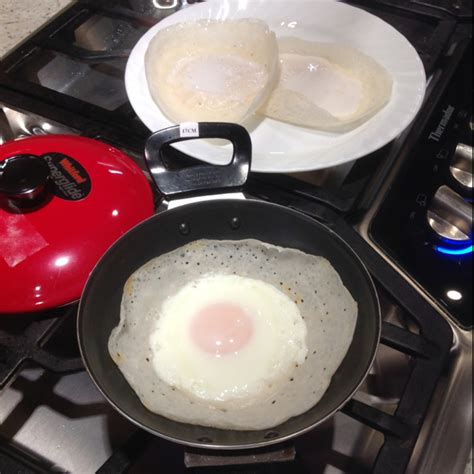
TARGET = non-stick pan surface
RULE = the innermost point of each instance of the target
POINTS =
(99, 310)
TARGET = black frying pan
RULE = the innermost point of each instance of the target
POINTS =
(99, 310)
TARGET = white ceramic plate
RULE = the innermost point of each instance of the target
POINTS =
(279, 147)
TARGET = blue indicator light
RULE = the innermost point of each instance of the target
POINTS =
(455, 243)
(455, 251)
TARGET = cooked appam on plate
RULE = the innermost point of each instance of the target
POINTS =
(327, 86)
(233, 334)
(212, 71)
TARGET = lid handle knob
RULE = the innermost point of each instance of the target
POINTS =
(24, 180)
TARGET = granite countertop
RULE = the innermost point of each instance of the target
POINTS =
(19, 18)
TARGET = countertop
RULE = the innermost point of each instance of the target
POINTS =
(19, 18)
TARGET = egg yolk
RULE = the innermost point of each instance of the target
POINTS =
(221, 328)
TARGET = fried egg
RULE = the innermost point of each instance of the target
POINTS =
(233, 334)
(238, 336)
(327, 86)
(212, 70)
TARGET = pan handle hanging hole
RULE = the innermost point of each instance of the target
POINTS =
(204, 439)
(184, 228)
(235, 223)
(271, 435)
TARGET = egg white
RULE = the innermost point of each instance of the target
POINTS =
(276, 346)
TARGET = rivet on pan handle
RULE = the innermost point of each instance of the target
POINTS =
(200, 179)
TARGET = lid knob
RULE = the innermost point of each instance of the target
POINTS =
(24, 180)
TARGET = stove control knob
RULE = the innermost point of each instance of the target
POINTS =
(450, 216)
(461, 165)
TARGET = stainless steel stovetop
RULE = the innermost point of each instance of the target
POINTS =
(53, 419)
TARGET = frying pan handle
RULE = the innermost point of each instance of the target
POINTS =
(197, 179)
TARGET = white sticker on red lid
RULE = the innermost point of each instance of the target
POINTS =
(19, 239)
(189, 129)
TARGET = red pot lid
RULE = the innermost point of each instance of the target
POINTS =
(63, 201)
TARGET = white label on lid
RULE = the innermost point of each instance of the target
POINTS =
(19, 239)
(189, 129)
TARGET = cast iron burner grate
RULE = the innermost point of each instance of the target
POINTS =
(29, 338)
